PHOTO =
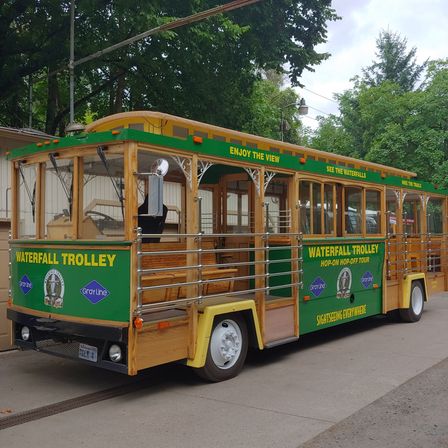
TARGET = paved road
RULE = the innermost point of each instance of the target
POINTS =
(283, 398)
(414, 415)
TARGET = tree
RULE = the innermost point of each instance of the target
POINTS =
(206, 71)
(268, 105)
(332, 136)
(394, 63)
(384, 124)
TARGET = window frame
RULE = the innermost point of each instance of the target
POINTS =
(322, 183)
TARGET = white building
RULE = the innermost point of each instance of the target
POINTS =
(9, 138)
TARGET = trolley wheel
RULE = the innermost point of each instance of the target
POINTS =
(416, 304)
(227, 349)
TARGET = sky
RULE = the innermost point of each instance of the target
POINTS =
(352, 44)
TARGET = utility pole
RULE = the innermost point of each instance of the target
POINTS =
(73, 127)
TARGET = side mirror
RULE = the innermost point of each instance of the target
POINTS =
(155, 187)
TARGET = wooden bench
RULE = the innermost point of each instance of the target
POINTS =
(174, 277)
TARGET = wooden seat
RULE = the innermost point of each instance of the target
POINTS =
(177, 277)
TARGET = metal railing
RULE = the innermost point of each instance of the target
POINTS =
(204, 266)
(424, 252)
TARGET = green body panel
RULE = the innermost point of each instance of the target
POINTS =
(343, 282)
(280, 253)
(77, 282)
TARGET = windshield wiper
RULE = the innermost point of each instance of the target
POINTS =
(68, 193)
(31, 196)
(102, 156)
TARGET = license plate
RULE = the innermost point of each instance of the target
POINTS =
(88, 352)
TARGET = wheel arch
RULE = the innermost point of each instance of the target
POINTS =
(206, 319)
(407, 285)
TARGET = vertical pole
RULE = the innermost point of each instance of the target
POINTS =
(71, 64)
(192, 218)
(9, 266)
(405, 236)
(193, 244)
(260, 250)
(444, 245)
(293, 205)
(266, 247)
(199, 260)
(139, 271)
(281, 124)
(30, 101)
(15, 202)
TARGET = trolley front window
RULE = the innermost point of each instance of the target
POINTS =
(58, 204)
(102, 196)
(27, 201)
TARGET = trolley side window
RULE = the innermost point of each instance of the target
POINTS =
(434, 214)
(412, 208)
(27, 201)
(373, 212)
(317, 210)
(391, 210)
(353, 210)
(102, 196)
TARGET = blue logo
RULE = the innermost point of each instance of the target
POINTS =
(25, 284)
(317, 287)
(367, 279)
(94, 292)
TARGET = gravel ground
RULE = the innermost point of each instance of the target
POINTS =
(413, 415)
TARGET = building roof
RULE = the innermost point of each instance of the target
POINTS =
(16, 137)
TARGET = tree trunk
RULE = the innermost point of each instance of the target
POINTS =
(119, 94)
(52, 103)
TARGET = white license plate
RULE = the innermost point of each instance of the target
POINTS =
(88, 352)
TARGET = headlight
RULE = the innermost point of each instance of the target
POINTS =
(115, 354)
(25, 333)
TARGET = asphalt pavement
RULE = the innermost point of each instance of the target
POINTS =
(414, 415)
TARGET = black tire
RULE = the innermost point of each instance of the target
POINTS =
(416, 304)
(229, 329)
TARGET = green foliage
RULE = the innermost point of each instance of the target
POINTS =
(384, 124)
(206, 71)
(268, 105)
(394, 63)
(332, 137)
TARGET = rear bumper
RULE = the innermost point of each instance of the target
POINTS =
(63, 338)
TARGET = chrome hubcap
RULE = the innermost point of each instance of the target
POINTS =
(417, 301)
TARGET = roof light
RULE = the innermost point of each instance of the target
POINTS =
(74, 128)
(47, 142)
(39, 144)
(198, 140)
(302, 160)
(115, 132)
(56, 140)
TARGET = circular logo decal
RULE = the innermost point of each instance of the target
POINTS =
(54, 289)
(344, 283)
